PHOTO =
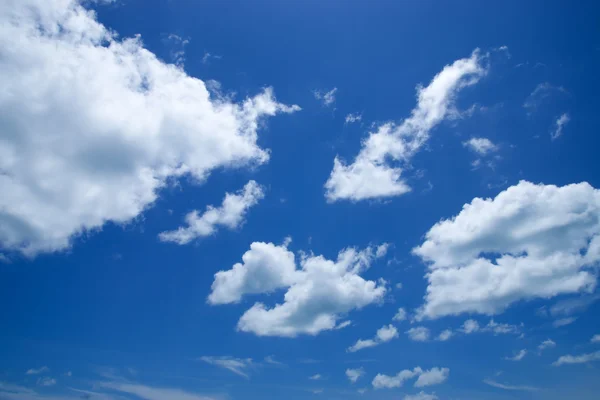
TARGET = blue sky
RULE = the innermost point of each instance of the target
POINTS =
(310, 199)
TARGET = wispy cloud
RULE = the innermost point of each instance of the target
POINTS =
(560, 123)
(37, 371)
(510, 387)
(519, 356)
(238, 366)
(326, 97)
(580, 359)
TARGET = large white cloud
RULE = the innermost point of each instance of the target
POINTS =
(92, 126)
(317, 294)
(231, 215)
(374, 172)
(530, 241)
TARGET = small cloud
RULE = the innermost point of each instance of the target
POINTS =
(539, 94)
(46, 381)
(580, 359)
(546, 344)
(315, 377)
(400, 315)
(209, 56)
(4, 259)
(421, 396)
(177, 44)
(595, 339)
(481, 146)
(398, 285)
(559, 125)
(327, 98)
(68, 373)
(271, 360)
(354, 374)
(238, 366)
(384, 334)
(34, 371)
(564, 321)
(418, 334)
(509, 387)
(352, 118)
(445, 335)
(470, 326)
(517, 357)
(343, 325)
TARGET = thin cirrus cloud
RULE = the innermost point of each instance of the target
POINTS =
(383, 335)
(530, 241)
(238, 366)
(518, 356)
(559, 126)
(372, 174)
(230, 214)
(498, 385)
(317, 294)
(118, 125)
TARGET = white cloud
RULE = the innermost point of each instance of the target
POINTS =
(470, 326)
(559, 126)
(317, 293)
(595, 338)
(354, 374)
(37, 371)
(327, 98)
(400, 315)
(481, 146)
(421, 396)
(509, 387)
(315, 377)
(445, 335)
(546, 344)
(384, 334)
(374, 173)
(580, 359)
(418, 334)
(564, 322)
(94, 126)
(264, 269)
(352, 118)
(434, 376)
(271, 360)
(531, 241)
(230, 214)
(151, 393)
(519, 356)
(238, 366)
(46, 381)
(498, 328)
(209, 56)
(178, 48)
(573, 305)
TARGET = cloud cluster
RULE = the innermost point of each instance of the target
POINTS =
(530, 241)
(317, 293)
(230, 214)
(374, 173)
(434, 376)
(93, 126)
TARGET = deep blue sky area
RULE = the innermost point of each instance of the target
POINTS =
(114, 312)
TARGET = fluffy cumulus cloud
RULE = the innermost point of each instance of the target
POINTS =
(530, 241)
(93, 126)
(264, 269)
(421, 396)
(384, 334)
(481, 146)
(354, 374)
(376, 172)
(317, 293)
(445, 335)
(418, 334)
(230, 215)
(434, 376)
(400, 315)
